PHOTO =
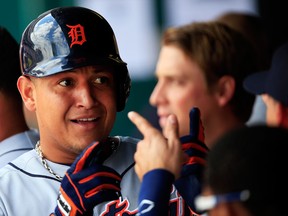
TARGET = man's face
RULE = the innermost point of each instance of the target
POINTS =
(181, 85)
(74, 108)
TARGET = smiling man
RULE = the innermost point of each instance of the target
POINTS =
(75, 81)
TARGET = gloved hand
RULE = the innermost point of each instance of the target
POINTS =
(88, 183)
(193, 145)
(190, 182)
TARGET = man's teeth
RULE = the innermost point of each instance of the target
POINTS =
(86, 119)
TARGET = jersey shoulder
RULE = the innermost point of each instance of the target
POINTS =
(26, 161)
(122, 158)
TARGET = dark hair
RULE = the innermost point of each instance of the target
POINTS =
(218, 50)
(10, 63)
(254, 28)
(251, 158)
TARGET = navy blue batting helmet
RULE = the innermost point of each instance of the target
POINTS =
(66, 38)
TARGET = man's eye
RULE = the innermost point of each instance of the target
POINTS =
(101, 80)
(66, 82)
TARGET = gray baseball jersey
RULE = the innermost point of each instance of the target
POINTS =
(16, 145)
(27, 188)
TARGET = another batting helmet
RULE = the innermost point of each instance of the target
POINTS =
(66, 38)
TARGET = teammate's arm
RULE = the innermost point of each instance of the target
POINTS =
(154, 150)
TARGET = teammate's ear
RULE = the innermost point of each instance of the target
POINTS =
(26, 88)
(225, 90)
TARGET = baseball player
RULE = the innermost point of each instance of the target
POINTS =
(76, 82)
(15, 136)
(271, 85)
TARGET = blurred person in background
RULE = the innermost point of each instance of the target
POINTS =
(203, 65)
(239, 180)
(272, 85)
(15, 135)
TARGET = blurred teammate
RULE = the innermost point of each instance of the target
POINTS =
(272, 86)
(203, 65)
(15, 135)
(240, 180)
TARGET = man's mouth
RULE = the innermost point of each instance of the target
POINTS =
(85, 120)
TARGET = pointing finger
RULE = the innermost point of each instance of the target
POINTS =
(141, 123)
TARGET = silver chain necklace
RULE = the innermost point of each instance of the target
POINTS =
(44, 162)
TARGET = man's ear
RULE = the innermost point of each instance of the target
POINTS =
(26, 89)
(225, 90)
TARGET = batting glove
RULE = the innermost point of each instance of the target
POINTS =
(88, 183)
(193, 145)
(190, 182)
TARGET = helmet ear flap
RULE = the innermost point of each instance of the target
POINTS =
(66, 38)
(123, 88)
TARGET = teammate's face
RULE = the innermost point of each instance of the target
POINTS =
(73, 109)
(181, 85)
